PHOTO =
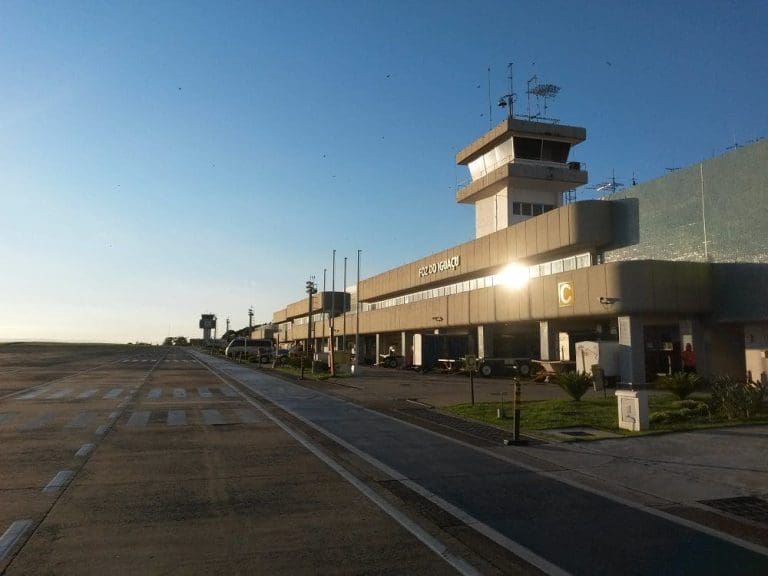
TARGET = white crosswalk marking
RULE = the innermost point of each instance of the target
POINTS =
(138, 419)
(59, 394)
(179, 393)
(177, 418)
(247, 416)
(113, 394)
(81, 420)
(87, 393)
(213, 417)
(155, 393)
(204, 393)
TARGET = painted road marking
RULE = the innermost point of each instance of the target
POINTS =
(84, 450)
(213, 417)
(228, 392)
(6, 417)
(204, 393)
(81, 420)
(59, 481)
(12, 535)
(33, 394)
(113, 394)
(138, 419)
(155, 393)
(179, 393)
(87, 393)
(60, 394)
(177, 418)
(247, 416)
(36, 423)
(101, 430)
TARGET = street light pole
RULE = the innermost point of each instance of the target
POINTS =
(357, 314)
(344, 309)
(332, 359)
(310, 289)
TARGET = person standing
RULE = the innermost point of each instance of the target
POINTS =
(689, 359)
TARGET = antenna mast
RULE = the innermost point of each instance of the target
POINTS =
(508, 100)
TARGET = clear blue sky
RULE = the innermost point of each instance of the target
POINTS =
(159, 159)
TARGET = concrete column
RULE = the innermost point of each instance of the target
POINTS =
(378, 348)
(485, 341)
(631, 351)
(403, 342)
(548, 341)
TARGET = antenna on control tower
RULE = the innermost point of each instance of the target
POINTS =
(508, 100)
(541, 92)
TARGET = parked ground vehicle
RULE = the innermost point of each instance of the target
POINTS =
(504, 366)
(261, 350)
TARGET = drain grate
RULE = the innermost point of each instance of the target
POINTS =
(575, 433)
(750, 507)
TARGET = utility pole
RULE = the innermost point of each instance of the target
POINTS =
(250, 321)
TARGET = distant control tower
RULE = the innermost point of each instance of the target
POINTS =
(207, 323)
(520, 168)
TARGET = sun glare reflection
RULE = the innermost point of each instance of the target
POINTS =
(514, 276)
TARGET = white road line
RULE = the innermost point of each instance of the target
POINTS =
(12, 535)
(87, 393)
(155, 393)
(228, 392)
(457, 562)
(112, 394)
(33, 394)
(84, 450)
(59, 481)
(101, 430)
(204, 392)
(179, 393)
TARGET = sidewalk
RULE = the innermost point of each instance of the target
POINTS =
(718, 477)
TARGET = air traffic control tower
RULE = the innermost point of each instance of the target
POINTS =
(207, 323)
(519, 169)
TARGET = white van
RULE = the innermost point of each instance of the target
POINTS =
(262, 350)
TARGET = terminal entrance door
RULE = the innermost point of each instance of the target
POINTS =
(662, 350)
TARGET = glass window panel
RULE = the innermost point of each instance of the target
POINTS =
(569, 263)
(526, 209)
(557, 266)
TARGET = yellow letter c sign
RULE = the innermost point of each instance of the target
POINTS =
(565, 293)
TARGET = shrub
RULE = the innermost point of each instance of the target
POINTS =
(736, 399)
(681, 384)
(575, 384)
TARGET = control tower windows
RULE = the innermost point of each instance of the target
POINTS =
(545, 150)
(529, 209)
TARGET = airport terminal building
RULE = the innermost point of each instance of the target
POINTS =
(679, 260)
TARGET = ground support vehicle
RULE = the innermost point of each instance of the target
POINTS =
(504, 367)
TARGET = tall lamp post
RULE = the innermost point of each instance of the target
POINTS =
(357, 315)
(311, 288)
